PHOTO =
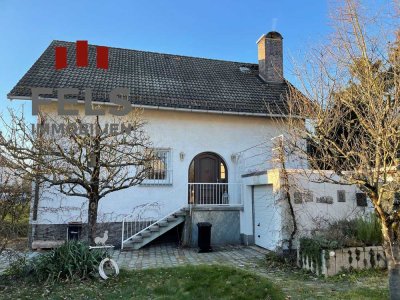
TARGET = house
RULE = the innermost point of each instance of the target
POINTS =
(205, 117)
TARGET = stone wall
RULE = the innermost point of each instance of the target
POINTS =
(58, 232)
(225, 225)
(335, 261)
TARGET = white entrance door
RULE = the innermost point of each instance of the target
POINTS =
(266, 217)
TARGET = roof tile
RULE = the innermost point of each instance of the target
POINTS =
(157, 79)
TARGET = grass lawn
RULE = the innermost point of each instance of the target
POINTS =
(299, 284)
(188, 282)
(357, 285)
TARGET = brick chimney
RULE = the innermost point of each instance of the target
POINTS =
(270, 57)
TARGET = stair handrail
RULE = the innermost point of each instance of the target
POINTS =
(134, 214)
(144, 229)
(141, 208)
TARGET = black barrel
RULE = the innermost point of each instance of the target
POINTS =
(74, 231)
(204, 236)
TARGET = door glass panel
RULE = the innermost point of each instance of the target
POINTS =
(222, 172)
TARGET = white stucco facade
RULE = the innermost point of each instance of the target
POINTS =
(244, 144)
(311, 214)
(186, 134)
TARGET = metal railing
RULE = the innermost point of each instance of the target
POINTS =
(141, 218)
(215, 193)
(136, 223)
(163, 177)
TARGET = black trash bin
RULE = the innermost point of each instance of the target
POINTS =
(74, 231)
(204, 236)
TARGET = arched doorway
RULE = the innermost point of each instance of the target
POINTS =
(208, 179)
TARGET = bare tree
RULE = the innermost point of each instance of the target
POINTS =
(350, 101)
(285, 186)
(14, 206)
(78, 156)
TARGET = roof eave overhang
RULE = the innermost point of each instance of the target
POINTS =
(153, 107)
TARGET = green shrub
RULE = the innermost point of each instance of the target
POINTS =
(71, 261)
(358, 232)
(342, 233)
(278, 260)
(14, 230)
(368, 230)
(312, 248)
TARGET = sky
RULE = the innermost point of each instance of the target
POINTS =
(220, 29)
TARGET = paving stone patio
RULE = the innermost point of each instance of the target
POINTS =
(169, 255)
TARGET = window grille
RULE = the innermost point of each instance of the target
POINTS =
(160, 172)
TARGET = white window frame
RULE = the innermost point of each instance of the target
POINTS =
(168, 170)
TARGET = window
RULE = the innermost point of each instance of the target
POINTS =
(160, 168)
(361, 199)
(222, 171)
(341, 196)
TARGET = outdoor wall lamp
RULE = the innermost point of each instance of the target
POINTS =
(182, 156)
(234, 157)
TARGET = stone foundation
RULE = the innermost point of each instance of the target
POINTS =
(58, 232)
(225, 225)
(225, 228)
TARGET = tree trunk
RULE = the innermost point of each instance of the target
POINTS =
(92, 219)
(394, 279)
(94, 194)
(392, 250)
(393, 257)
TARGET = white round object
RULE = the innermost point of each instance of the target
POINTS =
(113, 264)
(332, 253)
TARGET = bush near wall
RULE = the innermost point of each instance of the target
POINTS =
(346, 244)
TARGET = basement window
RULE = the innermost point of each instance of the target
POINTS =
(160, 172)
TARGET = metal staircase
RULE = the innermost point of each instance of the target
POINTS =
(138, 230)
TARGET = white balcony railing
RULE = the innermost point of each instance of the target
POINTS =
(215, 193)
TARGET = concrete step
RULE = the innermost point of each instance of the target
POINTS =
(162, 223)
(137, 239)
(180, 213)
(146, 233)
(154, 228)
(128, 246)
(156, 234)
(155, 231)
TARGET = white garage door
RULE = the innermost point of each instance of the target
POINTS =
(266, 217)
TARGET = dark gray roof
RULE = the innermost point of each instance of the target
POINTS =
(163, 80)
